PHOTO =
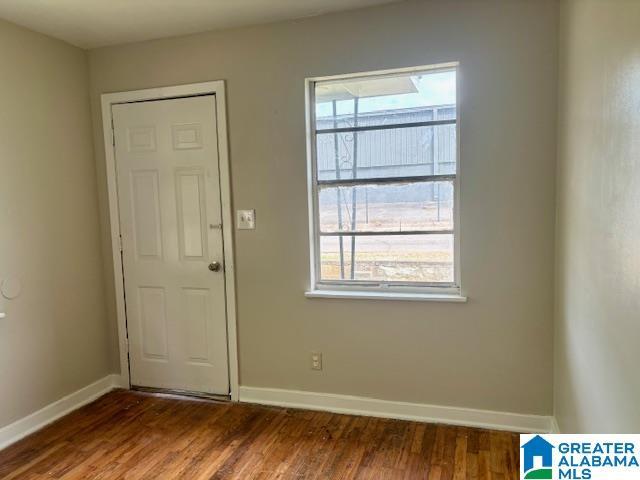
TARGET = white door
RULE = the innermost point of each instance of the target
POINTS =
(171, 226)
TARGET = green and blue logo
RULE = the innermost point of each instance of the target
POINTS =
(580, 457)
(537, 459)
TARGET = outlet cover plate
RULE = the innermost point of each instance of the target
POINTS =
(316, 361)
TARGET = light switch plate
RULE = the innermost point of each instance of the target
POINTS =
(246, 219)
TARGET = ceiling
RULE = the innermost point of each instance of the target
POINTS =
(96, 23)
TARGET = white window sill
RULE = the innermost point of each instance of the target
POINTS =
(360, 295)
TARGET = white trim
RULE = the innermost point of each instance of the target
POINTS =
(384, 72)
(457, 260)
(43, 417)
(312, 181)
(206, 88)
(555, 428)
(378, 295)
(114, 221)
(312, 192)
(401, 410)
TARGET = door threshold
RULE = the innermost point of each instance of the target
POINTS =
(186, 394)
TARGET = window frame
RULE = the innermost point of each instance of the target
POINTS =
(367, 286)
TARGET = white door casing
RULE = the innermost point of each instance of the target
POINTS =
(169, 202)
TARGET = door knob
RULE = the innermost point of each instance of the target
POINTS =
(215, 266)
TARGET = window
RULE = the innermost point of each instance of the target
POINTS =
(384, 181)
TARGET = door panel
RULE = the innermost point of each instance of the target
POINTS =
(197, 309)
(146, 213)
(169, 203)
(190, 198)
(153, 323)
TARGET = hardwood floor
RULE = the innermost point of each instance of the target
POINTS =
(130, 435)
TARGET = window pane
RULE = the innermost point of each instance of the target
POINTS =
(394, 258)
(387, 208)
(402, 98)
(400, 152)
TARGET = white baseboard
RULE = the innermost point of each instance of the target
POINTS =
(298, 399)
(37, 420)
(401, 410)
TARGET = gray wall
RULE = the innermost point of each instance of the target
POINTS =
(597, 385)
(55, 338)
(495, 352)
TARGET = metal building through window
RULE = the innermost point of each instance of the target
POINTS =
(384, 179)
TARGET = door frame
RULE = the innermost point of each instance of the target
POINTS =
(216, 88)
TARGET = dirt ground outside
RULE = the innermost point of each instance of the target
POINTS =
(423, 258)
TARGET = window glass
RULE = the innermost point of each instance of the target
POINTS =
(385, 153)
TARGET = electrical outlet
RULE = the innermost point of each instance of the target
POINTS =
(316, 361)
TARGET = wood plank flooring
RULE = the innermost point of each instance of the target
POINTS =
(131, 435)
